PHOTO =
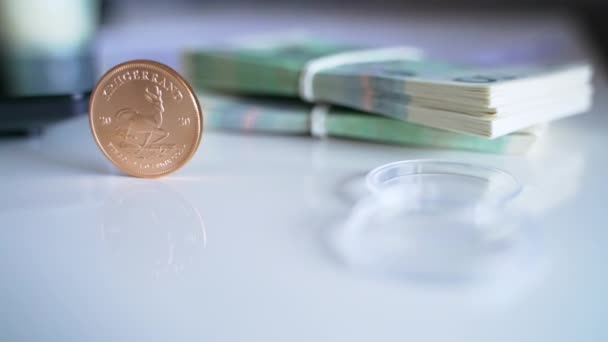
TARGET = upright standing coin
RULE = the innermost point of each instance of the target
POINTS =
(145, 118)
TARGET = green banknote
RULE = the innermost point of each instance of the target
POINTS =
(483, 101)
(272, 70)
(284, 116)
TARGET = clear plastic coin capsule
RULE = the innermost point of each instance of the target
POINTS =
(432, 219)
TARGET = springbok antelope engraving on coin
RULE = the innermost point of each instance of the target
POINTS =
(147, 124)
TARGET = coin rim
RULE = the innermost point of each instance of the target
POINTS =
(179, 78)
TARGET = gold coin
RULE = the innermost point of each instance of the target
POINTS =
(145, 118)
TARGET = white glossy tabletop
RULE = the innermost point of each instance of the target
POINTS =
(234, 246)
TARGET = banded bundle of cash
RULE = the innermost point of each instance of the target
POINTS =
(290, 116)
(400, 84)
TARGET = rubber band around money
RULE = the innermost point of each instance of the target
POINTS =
(313, 67)
(318, 118)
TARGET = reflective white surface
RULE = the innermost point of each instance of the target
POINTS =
(234, 247)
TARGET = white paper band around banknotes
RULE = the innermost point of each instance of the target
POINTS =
(350, 57)
(318, 118)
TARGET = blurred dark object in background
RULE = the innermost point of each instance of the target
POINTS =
(594, 17)
(46, 61)
(29, 115)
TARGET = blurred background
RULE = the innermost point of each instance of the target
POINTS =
(53, 51)
(418, 20)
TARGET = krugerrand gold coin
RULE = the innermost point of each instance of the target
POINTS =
(145, 118)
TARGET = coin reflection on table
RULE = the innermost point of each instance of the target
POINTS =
(151, 231)
(145, 118)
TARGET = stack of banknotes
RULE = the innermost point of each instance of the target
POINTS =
(392, 95)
